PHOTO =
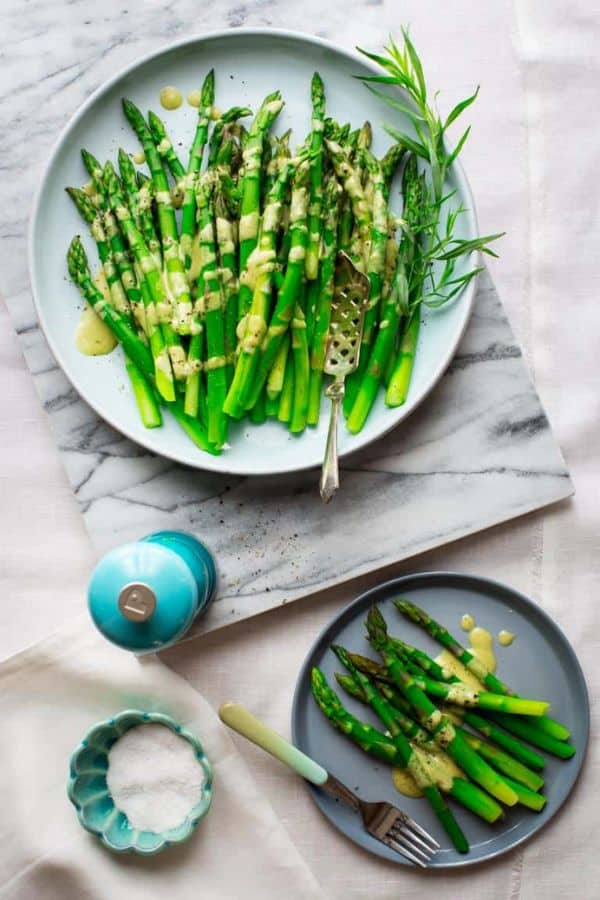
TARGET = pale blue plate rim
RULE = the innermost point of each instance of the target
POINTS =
(394, 586)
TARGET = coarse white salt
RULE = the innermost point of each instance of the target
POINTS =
(154, 777)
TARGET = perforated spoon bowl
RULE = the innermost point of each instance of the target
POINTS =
(350, 299)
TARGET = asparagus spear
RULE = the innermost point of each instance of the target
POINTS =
(286, 398)
(381, 746)
(410, 759)
(79, 271)
(151, 286)
(486, 726)
(316, 178)
(516, 748)
(208, 293)
(441, 634)
(164, 146)
(287, 294)
(142, 391)
(323, 309)
(350, 179)
(497, 758)
(301, 365)
(250, 189)
(146, 224)
(432, 719)
(155, 295)
(221, 129)
(188, 208)
(276, 375)
(399, 381)
(374, 362)
(93, 217)
(258, 277)
(174, 268)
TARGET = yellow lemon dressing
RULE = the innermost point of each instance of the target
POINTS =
(440, 768)
(92, 336)
(170, 97)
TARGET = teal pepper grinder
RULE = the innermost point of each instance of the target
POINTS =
(145, 595)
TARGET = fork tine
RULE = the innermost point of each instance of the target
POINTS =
(424, 834)
(412, 836)
(406, 839)
(393, 844)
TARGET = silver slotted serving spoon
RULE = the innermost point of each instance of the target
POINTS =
(383, 821)
(348, 305)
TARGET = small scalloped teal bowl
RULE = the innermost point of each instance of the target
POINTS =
(88, 790)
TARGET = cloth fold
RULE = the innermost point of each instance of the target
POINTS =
(50, 695)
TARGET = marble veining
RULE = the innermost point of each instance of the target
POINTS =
(479, 451)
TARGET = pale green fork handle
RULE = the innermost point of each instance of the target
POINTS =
(237, 717)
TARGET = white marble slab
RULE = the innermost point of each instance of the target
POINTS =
(479, 451)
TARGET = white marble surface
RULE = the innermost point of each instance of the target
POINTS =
(479, 451)
(537, 64)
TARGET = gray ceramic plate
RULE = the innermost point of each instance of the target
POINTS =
(540, 664)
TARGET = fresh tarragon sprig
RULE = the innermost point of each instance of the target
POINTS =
(404, 70)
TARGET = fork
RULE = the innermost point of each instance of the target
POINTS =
(383, 821)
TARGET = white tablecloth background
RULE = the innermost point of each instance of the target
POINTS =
(532, 161)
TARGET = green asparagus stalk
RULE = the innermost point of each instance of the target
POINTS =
(349, 176)
(301, 366)
(175, 277)
(517, 749)
(79, 271)
(316, 178)
(258, 413)
(497, 758)
(286, 398)
(251, 190)
(277, 373)
(485, 726)
(221, 129)
(188, 208)
(163, 144)
(432, 719)
(152, 276)
(258, 277)
(143, 392)
(390, 162)
(288, 293)
(456, 693)
(375, 269)
(208, 294)
(382, 747)
(374, 362)
(145, 396)
(145, 221)
(325, 296)
(346, 225)
(443, 636)
(525, 728)
(410, 760)
(399, 381)
(93, 217)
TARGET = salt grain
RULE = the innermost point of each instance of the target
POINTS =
(154, 777)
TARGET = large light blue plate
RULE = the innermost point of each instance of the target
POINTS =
(540, 664)
(248, 65)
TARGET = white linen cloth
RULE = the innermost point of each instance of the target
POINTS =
(50, 696)
(531, 160)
